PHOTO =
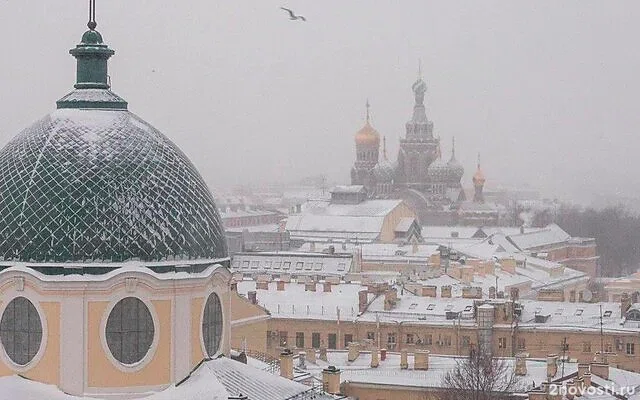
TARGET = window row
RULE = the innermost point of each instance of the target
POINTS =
(129, 331)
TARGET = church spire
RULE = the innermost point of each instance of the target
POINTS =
(453, 148)
(368, 115)
(478, 184)
(384, 148)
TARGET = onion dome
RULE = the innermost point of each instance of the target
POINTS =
(93, 182)
(438, 170)
(384, 171)
(478, 177)
(368, 136)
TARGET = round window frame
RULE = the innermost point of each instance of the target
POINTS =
(43, 342)
(135, 367)
(203, 345)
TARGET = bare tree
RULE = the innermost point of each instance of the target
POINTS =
(480, 377)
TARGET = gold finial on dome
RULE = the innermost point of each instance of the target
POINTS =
(478, 177)
(368, 136)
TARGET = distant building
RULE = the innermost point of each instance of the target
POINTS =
(428, 184)
(350, 216)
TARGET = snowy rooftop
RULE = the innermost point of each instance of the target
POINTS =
(551, 234)
(296, 302)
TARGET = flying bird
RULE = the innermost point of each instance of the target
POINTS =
(292, 16)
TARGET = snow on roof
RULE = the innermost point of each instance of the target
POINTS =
(552, 234)
(439, 232)
(255, 228)
(15, 387)
(404, 224)
(348, 189)
(295, 302)
(571, 316)
(389, 373)
(245, 213)
(323, 216)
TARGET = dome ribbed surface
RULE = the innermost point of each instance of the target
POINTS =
(94, 185)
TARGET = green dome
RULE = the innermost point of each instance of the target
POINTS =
(103, 185)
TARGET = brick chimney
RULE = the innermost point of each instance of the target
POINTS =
(582, 369)
(492, 292)
(311, 355)
(363, 300)
(331, 380)
(234, 286)
(521, 364)
(302, 358)
(514, 294)
(429, 291)
(253, 297)
(404, 364)
(327, 287)
(262, 285)
(354, 351)
(390, 298)
(280, 286)
(552, 365)
(445, 291)
(375, 359)
(421, 360)
(587, 379)
(286, 364)
(601, 370)
(323, 353)
(383, 354)
(310, 286)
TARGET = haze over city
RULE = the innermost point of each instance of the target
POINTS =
(545, 91)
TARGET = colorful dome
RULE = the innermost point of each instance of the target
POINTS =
(93, 182)
(367, 136)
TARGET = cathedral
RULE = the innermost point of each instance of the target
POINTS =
(420, 176)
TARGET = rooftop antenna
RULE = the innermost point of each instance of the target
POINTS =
(564, 350)
(92, 24)
(419, 68)
(601, 335)
(368, 115)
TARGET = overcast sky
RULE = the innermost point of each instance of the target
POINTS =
(546, 91)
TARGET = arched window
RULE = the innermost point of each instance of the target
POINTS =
(212, 325)
(21, 331)
(130, 330)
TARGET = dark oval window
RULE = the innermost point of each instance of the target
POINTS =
(21, 331)
(212, 324)
(129, 330)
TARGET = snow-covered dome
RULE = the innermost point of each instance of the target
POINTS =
(384, 171)
(438, 170)
(93, 182)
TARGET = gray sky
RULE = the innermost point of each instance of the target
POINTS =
(546, 91)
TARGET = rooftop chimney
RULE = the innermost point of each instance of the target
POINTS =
(331, 380)
(601, 370)
(421, 360)
(310, 286)
(280, 286)
(234, 286)
(587, 379)
(354, 351)
(327, 287)
(375, 360)
(286, 364)
(404, 364)
(253, 297)
(521, 364)
(323, 354)
(262, 285)
(362, 300)
(552, 365)
(582, 369)
(301, 360)
(445, 291)
(311, 356)
(492, 292)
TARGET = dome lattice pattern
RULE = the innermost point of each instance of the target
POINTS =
(90, 185)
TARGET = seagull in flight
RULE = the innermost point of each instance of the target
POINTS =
(292, 16)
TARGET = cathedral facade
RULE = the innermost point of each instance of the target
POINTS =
(420, 175)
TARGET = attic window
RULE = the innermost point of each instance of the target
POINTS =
(318, 267)
(559, 311)
(538, 310)
(286, 265)
(449, 307)
(299, 265)
(245, 264)
(308, 266)
(255, 264)
(579, 311)
(468, 308)
(267, 265)
(430, 307)
(413, 306)
(277, 265)
(607, 313)
(341, 266)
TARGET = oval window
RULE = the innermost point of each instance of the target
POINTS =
(21, 331)
(129, 331)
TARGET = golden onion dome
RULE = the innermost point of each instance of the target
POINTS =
(367, 136)
(478, 177)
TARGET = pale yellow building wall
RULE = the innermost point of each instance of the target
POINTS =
(255, 335)
(197, 352)
(387, 234)
(103, 373)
